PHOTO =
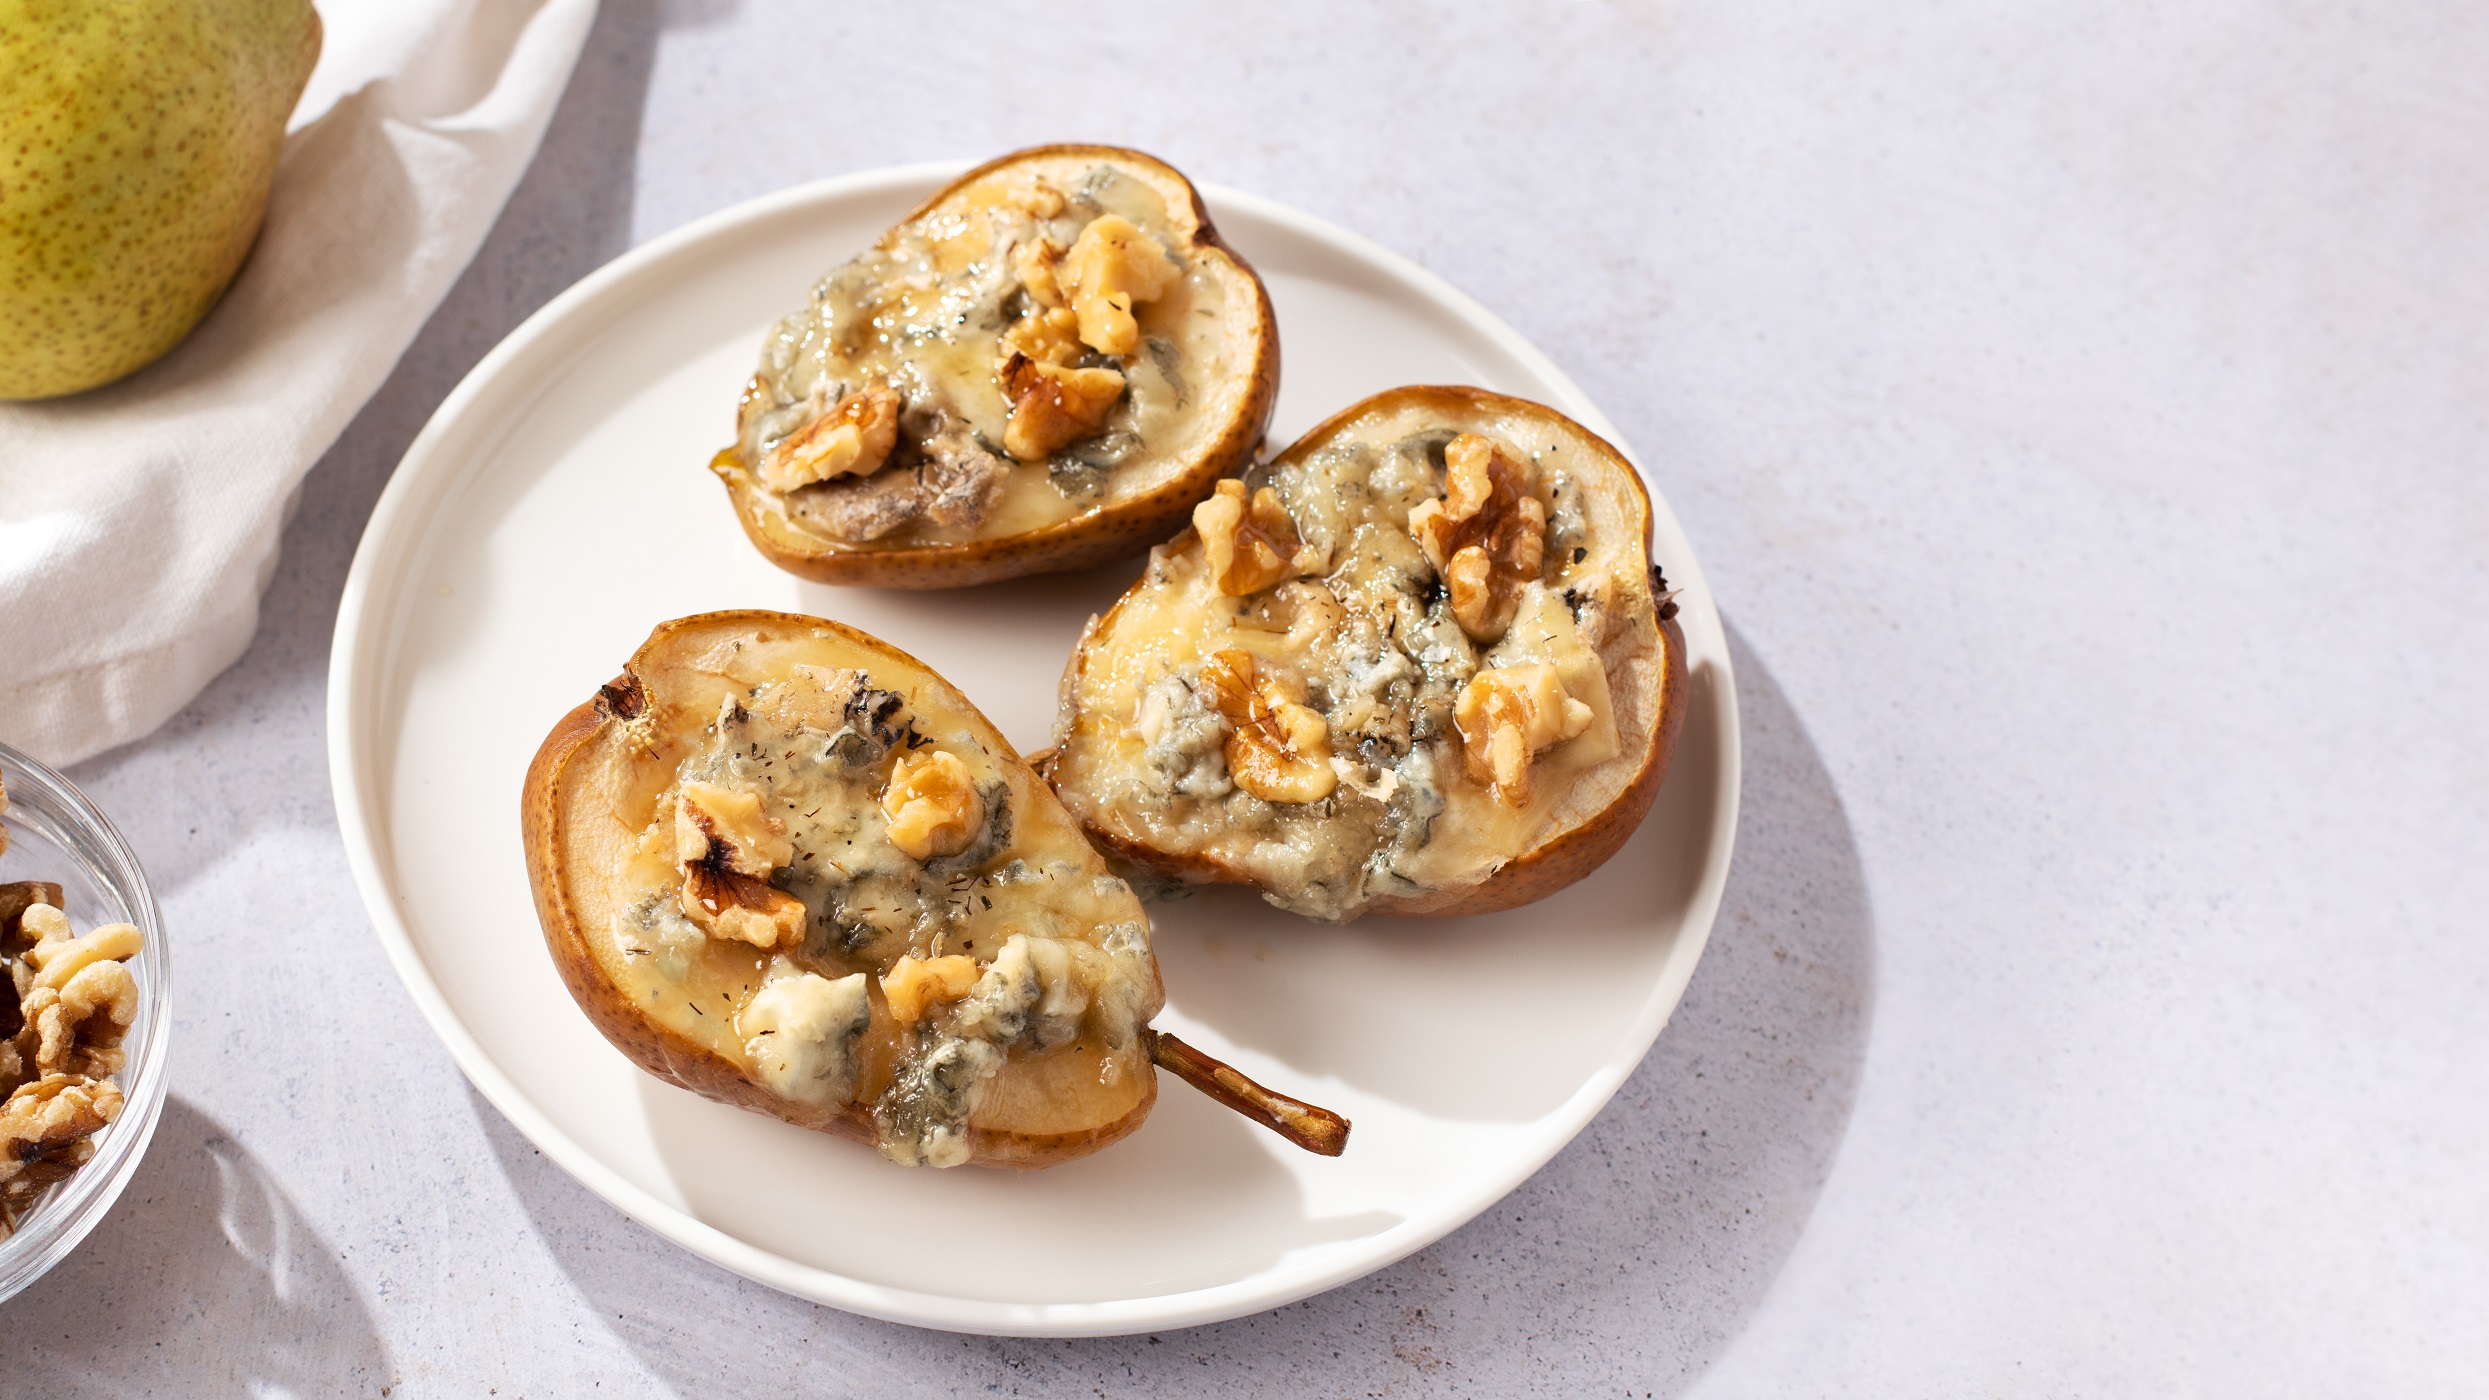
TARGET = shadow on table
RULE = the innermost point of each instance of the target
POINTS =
(569, 214)
(203, 1281)
(1658, 1229)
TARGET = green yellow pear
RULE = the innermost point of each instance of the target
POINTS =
(137, 142)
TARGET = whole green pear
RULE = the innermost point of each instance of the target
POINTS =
(137, 142)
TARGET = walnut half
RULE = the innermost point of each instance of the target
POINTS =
(45, 1134)
(1486, 536)
(913, 985)
(1053, 407)
(1279, 749)
(727, 848)
(1249, 545)
(1082, 297)
(1508, 716)
(932, 804)
(853, 438)
(76, 994)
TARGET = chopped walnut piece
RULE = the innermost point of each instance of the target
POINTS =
(727, 847)
(44, 923)
(1248, 545)
(77, 998)
(727, 828)
(16, 898)
(1487, 535)
(1509, 715)
(954, 484)
(1113, 267)
(1049, 337)
(78, 1001)
(1279, 748)
(1033, 264)
(45, 1129)
(853, 438)
(726, 905)
(932, 804)
(913, 985)
(50, 1114)
(1053, 407)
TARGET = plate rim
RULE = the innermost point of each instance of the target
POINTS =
(366, 616)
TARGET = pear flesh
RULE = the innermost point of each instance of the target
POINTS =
(138, 139)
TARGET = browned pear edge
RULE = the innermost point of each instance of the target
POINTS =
(652, 1047)
(1084, 541)
(1534, 874)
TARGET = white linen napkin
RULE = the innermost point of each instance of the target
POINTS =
(139, 522)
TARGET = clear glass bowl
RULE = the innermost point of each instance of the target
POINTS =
(55, 834)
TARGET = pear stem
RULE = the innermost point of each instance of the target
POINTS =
(1317, 1130)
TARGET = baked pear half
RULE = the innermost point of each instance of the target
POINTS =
(784, 865)
(1419, 663)
(1042, 368)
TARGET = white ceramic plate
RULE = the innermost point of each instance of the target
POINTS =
(558, 506)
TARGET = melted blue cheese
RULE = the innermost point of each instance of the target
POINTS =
(925, 312)
(1370, 640)
(1063, 952)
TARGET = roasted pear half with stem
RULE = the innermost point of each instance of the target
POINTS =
(1419, 663)
(1040, 369)
(783, 864)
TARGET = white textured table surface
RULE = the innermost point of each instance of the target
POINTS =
(2082, 415)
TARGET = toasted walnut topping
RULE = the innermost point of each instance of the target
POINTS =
(1113, 267)
(1249, 545)
(727, 848)
(853, 438)
(726, 905)
(1049, 337)
(76, 996)
(913, 985)
(1033, 263)
(1487, 535)
(1053, 407)
(724, 827)
(1279, 748)
(932, 804)
(1507, 717)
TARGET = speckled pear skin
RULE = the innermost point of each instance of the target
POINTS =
(138, 139)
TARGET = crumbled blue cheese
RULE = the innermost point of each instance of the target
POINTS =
(801, 1030)
(653, 927)
(1184, 738)
(814, 751)
(1373, 644)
